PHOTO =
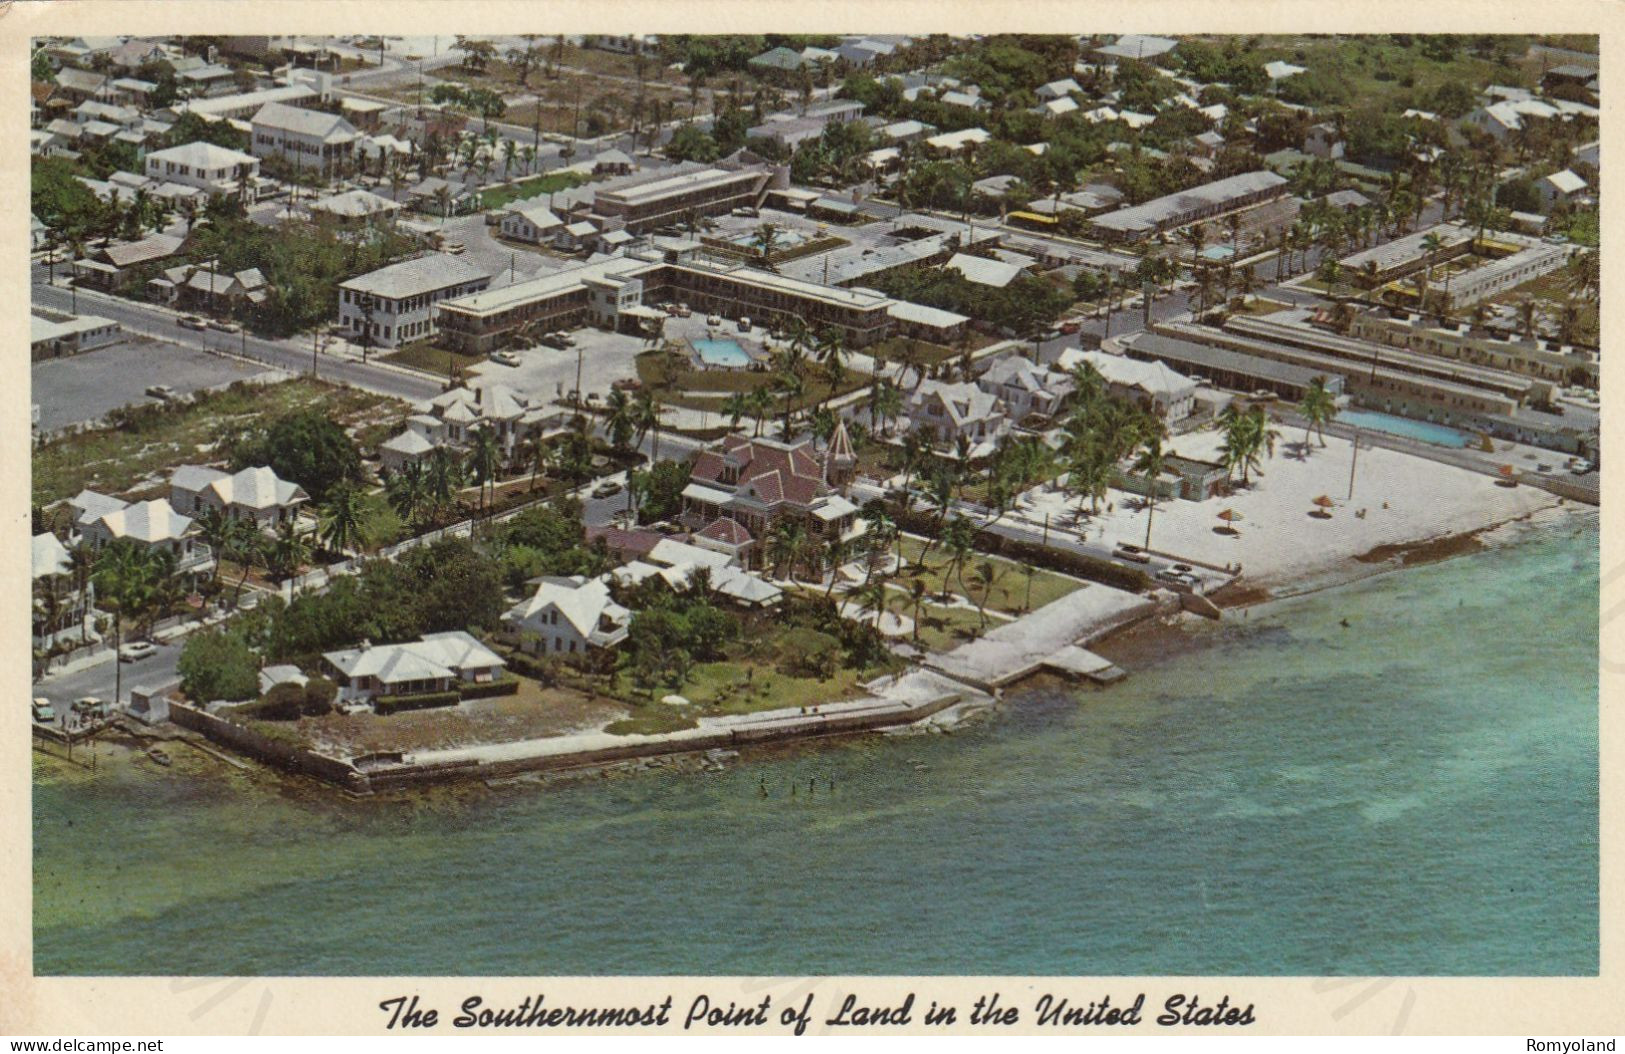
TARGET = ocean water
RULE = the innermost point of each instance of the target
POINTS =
(1415, 793)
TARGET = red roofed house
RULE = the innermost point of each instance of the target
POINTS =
(741, 490)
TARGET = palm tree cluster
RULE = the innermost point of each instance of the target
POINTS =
(1249, 438)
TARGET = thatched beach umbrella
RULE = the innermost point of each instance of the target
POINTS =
(1509, 476)
(1324, 505)
(1231, 517)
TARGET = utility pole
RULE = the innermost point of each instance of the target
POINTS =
(1353, 460)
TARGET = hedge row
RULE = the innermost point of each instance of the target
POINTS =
(390, 704)
(504, 686)
(1092, 568)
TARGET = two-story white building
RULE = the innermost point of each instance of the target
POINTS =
(1027, 389)
(568, 616)
(396, 304)
(305, 139)
(100, 520)
(209, 168)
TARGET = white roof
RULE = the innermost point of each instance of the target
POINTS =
(354, 203)
(957, 140)
(1279, 70)
(257, 487)
(995, 273)
(328, 127)
(50, 556)
(671, 553)
(1155, 377)
(1065, 104)
(1139, 46)
(146, 521)
(408, 442)
(200, 154)
(424, 274)
(582, 604)
(1566, 181)
(905, 311)
(434, 656)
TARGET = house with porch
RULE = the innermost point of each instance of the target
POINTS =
(436, 662)
(256, 495)
(153, 524)
(567, 616)
(759, 484)
(1027, 389)
(947, 412)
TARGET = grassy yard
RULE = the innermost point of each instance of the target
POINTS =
(945, 628)
(497, 197)
(140, 451)
(423, 355)
(1010, 583)
(907, 349)
(1583, 229)
(379, 523)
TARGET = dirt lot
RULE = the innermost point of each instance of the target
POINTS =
(534, 713)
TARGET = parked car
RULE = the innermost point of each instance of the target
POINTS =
(42, 710)
(161, 391)
(627, 384)
(684, 311)
(454, 248)
(606, 490)
(746, 210)
(1183, 568)
(552, 341)
(506, 358)
(1124, 551)
(713, 320)
(1069, 328)
(1177, 578)
(744, 324)
(91, 707)
(137, 650)
(225, 326)
(193, 322)
(566, 338)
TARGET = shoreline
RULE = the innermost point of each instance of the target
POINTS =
(1135, 643)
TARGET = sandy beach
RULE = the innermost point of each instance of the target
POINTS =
(1279, 544)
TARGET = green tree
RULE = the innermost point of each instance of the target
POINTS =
(218, 664)
(1317, 408)
(342, 528)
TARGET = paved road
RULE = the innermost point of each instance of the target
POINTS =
(291, 355)
(97, 680)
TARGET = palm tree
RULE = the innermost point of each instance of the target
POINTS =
(736, 407)
(959, 542)
(214, 527)
(917, 592)
(790, 388)
(408, 491)
(81, 562)
(880, 533)
(445, 477)
(288, 551)
(760, 401)
(485, 458)
(1318, 407)
(1150, 463)
(245, 545)
(619, 422)
(987, 576)
(872, 597)
(342, 528)
(837, 551)
(645, 413)
(788, 546)
(127, 577)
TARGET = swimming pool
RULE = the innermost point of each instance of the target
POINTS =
(727, 354)
(1426, 431)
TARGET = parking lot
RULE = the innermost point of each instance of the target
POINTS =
(80, 388)
(550, 373)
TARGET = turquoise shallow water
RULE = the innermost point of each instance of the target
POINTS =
(1415, 794)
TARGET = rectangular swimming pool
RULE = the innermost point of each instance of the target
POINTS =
(725, 353)
(1425, 431)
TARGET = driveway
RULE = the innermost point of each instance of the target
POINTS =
(78, 388)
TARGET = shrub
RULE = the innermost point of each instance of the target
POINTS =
(319, 695)
(391, 704)
(501, 686)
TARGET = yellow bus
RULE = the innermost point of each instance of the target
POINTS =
(1032, 220)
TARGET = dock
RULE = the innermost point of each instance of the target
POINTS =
(1074, 661)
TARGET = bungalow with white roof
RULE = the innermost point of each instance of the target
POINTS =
(257, 495)
(568, 616)
(355, 209)
(1558, 187)
(437, 662)
(1059, 89)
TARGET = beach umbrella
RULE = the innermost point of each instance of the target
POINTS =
(1508, 471)
(1326, 504)
(1231, 517)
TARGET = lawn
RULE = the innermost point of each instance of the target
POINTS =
(946, 628)
(1010, 582)
(909, 350)
(423, 355)
(497, 197)
(150, 441)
